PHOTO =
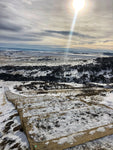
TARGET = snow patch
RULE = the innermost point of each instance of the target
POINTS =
(101, 129)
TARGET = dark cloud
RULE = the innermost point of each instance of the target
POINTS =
(106, 41)
(15, 38)
(66, 33)
(9, 18)
(5, 25)
(5, 11)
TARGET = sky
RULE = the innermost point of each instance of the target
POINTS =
(47, 23)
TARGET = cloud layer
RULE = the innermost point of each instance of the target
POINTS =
(42, 22)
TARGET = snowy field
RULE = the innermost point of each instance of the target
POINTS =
(48, 102)
(55, 116)
(11, 136)
(32, 58)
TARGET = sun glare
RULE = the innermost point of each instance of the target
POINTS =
(78, 4)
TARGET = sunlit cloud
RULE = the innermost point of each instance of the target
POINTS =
(49, 22)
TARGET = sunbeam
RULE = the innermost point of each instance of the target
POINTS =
(78, 5)
(71, 34)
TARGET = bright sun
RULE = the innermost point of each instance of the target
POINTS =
(78, 4)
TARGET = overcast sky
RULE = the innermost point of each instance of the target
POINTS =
(47, 23)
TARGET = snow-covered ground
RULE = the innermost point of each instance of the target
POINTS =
(68, 114)
(62, 110)
(32, 58)
(69, 122)
(108, 100)
(10, 135)
(67, 104)
(105, 143)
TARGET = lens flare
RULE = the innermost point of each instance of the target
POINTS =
(78, 4)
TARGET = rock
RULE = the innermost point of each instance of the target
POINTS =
(7, 126)
(57, 124)
(17, 128)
